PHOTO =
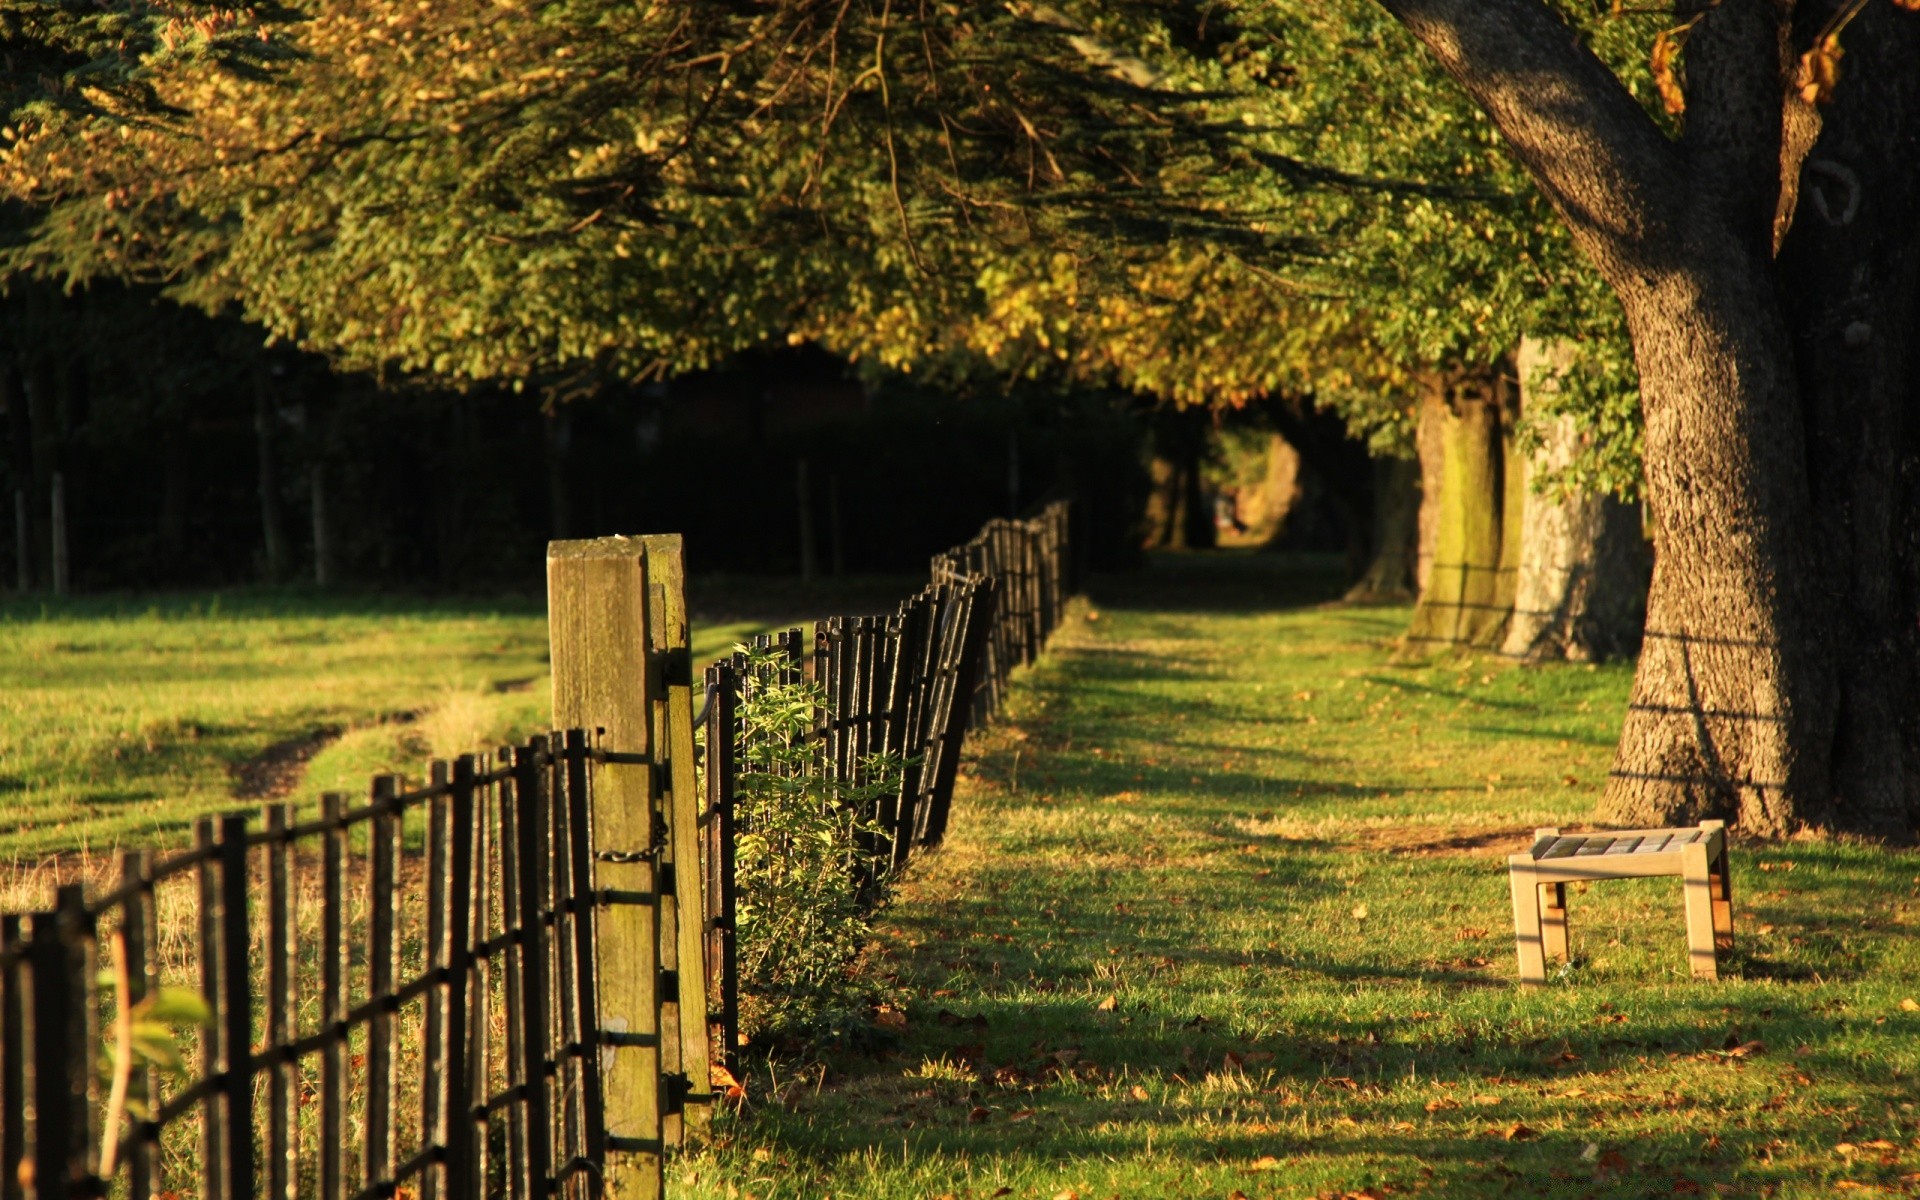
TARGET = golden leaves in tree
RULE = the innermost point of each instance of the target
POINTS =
(1819, 69)
(1666, 75)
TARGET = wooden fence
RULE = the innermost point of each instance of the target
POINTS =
(448, 1049)
(910, 685)
(516, 1009)
(1032, 565)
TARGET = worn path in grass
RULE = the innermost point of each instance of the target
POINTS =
(1223, 913)
(124, 717)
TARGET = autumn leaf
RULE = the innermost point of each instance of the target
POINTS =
(1139, 1093)
(1910, 1004)
(1360, 912)
(1520, 1133)
(1109, 1004)
(1665, 46)
(1266, 1162)
(1819, 70)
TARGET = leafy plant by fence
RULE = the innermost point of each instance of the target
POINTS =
(517, 1011)
(901, 688)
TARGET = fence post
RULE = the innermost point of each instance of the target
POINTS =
(63, 1049)
(685, 910)
(598, 633)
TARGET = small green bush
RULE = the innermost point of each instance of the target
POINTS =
(802, 851)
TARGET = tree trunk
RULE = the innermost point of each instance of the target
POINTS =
(322, 526)
(57, 526)
(1389, 577)
(273, 532)
(1430, 419)
(1469, 591)
(1775, 684)
(1581, 589)
(1850, 271)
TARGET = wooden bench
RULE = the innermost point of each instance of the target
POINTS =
(1540, 875)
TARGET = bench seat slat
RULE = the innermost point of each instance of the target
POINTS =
(1594, 846)
(1625, 845)
(1654, 844)
(1562, 847)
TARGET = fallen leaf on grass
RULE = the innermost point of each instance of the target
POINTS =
(1108, 1005)
(1236, 1194)
(977, 1114)
(889, 1017)
(1591, 1153)
(1520, 1133)
(1469, 933)
(1025, 1114)
(1442, 1102)
(1483, 1099)
(1266, 1162)
(1066, 1194)
(1139, 1093)
(1360, 912)
(1910, 1005)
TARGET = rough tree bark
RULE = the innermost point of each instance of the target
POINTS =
(1774, 590)
(1468, 592)
(1581, 591)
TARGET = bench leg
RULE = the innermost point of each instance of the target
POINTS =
(1696, 878)
(1526, 918)
(1722, 902)
(1553, 920)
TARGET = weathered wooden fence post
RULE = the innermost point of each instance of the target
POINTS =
(603, 675)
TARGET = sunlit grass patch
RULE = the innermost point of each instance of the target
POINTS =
(1224, 909)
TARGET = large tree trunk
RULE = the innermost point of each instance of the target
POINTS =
(1581, 591)
(1779, 653)
(1469, 589)
(1850, 268)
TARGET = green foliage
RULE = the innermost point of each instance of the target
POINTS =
(155, 1025)
(801, 850)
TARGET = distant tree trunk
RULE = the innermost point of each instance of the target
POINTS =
(57, 527)
(322, 530)
(20, 467)
(559, 440)
(803, 513)
(1178, 517)
(273, 533)
(1581, 593)
(1389, 578)
(1469, 592)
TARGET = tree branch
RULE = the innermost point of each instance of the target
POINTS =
(1609, 171)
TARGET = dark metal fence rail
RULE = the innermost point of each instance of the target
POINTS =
(469, 978)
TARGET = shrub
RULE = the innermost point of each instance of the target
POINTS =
(802, 851)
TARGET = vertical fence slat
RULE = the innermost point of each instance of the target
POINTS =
(139, 932)
(236, 1043)
(723, 964)
(13, 1056)
(530, 791)
(62, 1055)
(586, 1017)
(383, 860)
(436, 952)
(213, 1155)
(281, 1153)
(518, 1172)
(454, 1105)
(333, 999)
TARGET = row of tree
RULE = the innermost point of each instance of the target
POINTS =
(1551, 248)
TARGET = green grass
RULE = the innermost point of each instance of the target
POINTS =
(1224, 912)
(122, 718)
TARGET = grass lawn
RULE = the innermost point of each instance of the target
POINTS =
(122, 718)
(1223, 913)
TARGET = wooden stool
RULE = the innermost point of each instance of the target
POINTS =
(1697, 856)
